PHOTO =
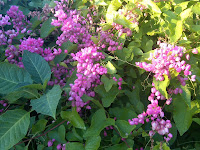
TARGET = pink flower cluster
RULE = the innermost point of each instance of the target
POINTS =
(165, 60)
(17, 20)
(4, 104)
(119, 83)
(73, 27)
(122, 30)
(60, 74)
(58, 147)
(33, 45)
(88, 73)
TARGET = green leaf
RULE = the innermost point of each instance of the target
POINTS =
(99, 122)
(185, 14)
(75, 146)
(124, 128)
(195, 105)
(162, 146)
(134, 99)
(108, 83)
(110, 68)
(182, 114)
(36, 66)
(122, 113)
(94, 39)
(111, 11)
(71, 79)
(74, 118)
(197, 120)
(47, 103)
(162, 85)
(61, 132)
(93, 143)
(107, 97)
(11, 76)
(151, 5)
(14, 126)
(35, 22)
(175, 31)
(196, 8)
(22, 92)
(39, 126)
(47, 28)
(121, 19)
(186, 95)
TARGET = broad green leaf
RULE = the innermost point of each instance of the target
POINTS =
(99, 122)
(111, 11)
(36, 66)
(195, 105)
(86, 98)
(47, 28)
(197, 120)
(93, 143)
(39, 126)
(74, 118)
(182, 114)
(23, 92)
(94, 39)
(162, 85)
(110, 68)
(61, 132)
(186, 95)
(196, 8)
(108, 83)
(47, 103)
(175, 30)
(124, 128)
(122, 113)
(11, 76)
(35, 22)
(151, 5)
(75, 146)
(185, 14)
(134, 99)
(121, 19)
(14, 126)
(137, 51)
(162, 146)
(107, 97)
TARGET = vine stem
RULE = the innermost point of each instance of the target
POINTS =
(123, 140)
(41, 134)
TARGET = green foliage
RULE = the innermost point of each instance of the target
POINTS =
(74, 118)
(11, 77)
(93, 143)
(162, 85)
(182, 114)
(14, 126)
(99, 122)
(47, 103)
(36, 66)
(32, 110)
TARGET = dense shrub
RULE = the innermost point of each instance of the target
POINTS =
(99, 74)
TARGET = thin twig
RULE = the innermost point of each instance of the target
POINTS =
(41, 134)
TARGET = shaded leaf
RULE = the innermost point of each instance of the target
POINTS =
(36, 66)
(14, 126)
(47, 103)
